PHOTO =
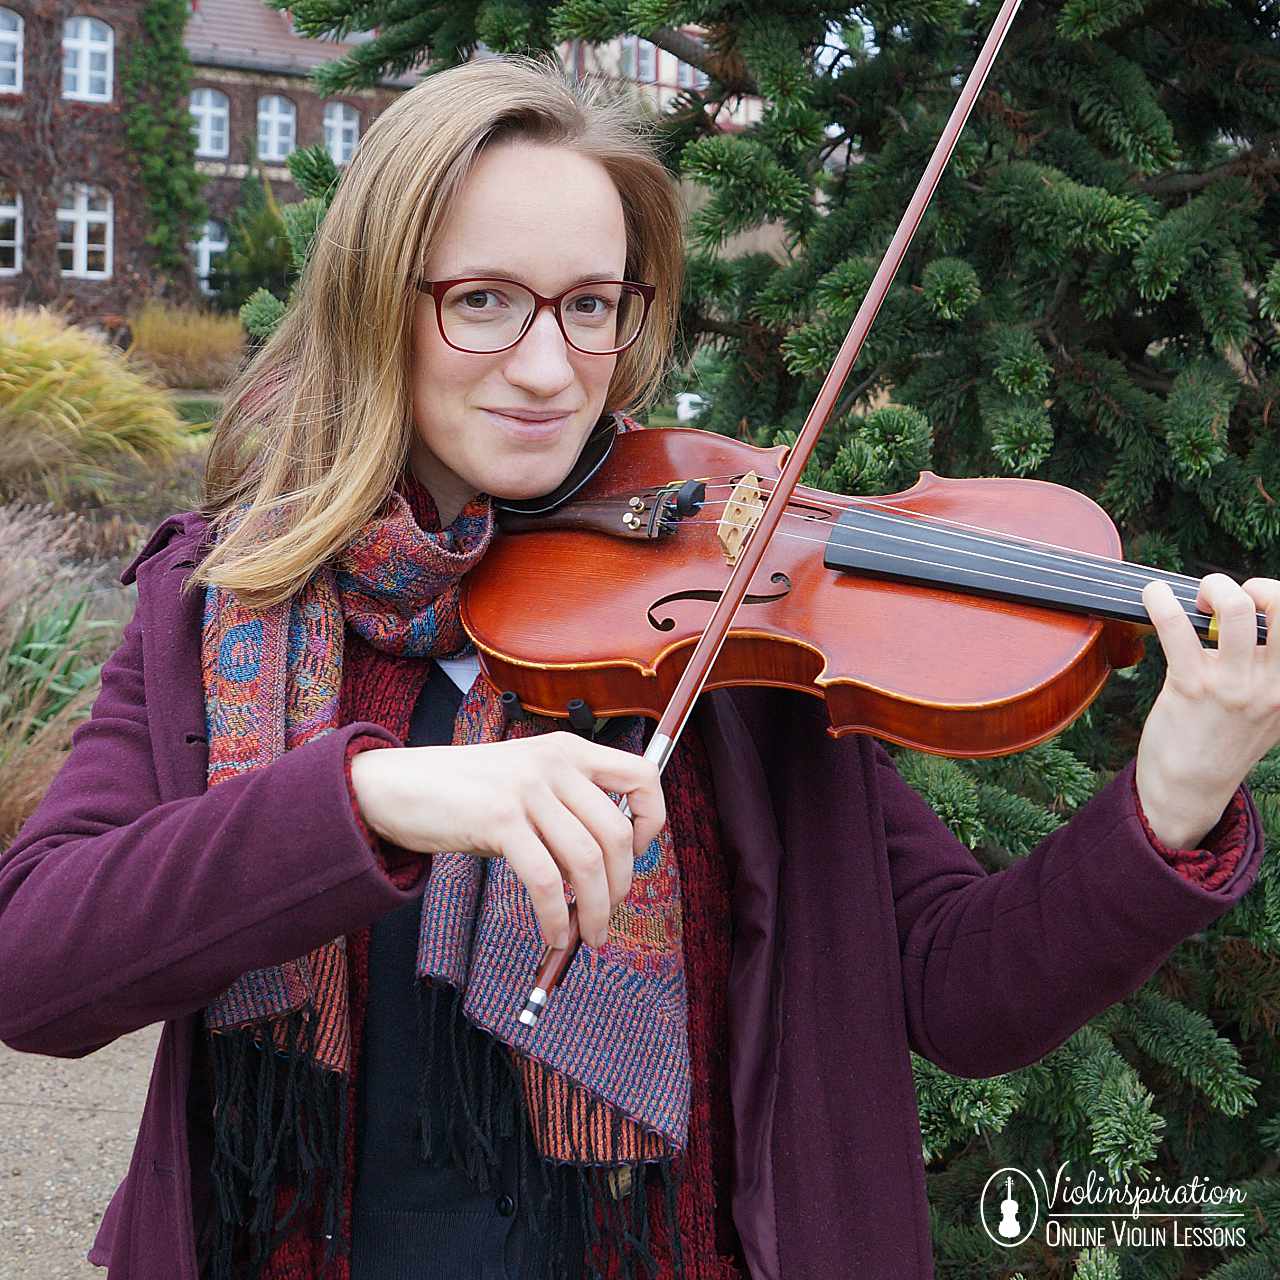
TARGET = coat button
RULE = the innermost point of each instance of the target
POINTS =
(506, 1206)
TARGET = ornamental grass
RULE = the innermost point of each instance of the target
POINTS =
(74, 412)
(59, 620)
(186, 346)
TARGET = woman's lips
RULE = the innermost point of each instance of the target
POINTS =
(528, 428)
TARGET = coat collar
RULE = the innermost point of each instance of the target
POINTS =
(185, 524)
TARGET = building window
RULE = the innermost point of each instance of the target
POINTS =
(10, 52)
(341, 130)
(84, 231)
(689, 77)
(86, 60)
(212, 243)
(639, 59)
(10, 229)
(277, 117)
(210, 113)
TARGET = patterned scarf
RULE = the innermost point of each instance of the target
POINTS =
(603, 1078)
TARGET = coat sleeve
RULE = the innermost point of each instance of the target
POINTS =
(117, 910)
(999, 969)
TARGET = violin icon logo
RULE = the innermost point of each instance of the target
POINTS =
(1019, 1207)
(1008, 1213)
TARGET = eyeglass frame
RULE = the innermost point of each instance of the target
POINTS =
(437, 289)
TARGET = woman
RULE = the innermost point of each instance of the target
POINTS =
(721, 1085)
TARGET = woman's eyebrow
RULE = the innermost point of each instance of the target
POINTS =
(491, 273)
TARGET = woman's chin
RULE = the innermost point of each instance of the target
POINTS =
(526, 486)
(531, 474)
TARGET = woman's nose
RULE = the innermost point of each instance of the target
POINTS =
(540, 360)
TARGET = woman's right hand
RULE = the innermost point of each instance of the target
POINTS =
(538, 802)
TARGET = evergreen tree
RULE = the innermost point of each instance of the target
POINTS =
(1092, 300)
(257, 256)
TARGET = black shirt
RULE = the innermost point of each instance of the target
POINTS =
(414, 1220)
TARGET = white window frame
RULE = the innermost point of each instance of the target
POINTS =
(634, 50)
(341, 126)
(210, 121)
(13, 211)
(270, 116)
(83, 36)
(646, 49)
(81, 217)
(690, 77)
(12, 45)
(205, 248)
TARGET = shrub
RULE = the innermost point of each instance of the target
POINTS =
(257, 254)
(72, 409)
(198, 411)
(51, 650)
(183, 346)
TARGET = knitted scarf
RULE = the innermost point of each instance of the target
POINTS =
(601, 1085)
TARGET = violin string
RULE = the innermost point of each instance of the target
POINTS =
(875, 510)
(1114, 567)
(1093, 596)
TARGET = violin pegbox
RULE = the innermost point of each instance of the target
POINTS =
(741, 515)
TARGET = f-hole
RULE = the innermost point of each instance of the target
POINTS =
(667, 624)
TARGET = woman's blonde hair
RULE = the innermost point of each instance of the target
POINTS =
(316, 429)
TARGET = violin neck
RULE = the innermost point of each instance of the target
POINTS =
(871, 541)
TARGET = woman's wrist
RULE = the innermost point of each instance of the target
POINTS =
(362, 775)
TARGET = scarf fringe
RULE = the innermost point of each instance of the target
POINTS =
(585, 1222)
(279, 1121)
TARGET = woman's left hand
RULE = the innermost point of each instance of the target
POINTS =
(1218, 713)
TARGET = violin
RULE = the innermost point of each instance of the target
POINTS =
(965, 617)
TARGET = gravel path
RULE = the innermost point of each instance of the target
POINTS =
(66, 1133)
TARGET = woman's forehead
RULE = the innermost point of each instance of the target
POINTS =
(529, 211)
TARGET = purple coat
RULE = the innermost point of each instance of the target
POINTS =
(863, 928)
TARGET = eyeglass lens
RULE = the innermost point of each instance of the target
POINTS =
(487, 315)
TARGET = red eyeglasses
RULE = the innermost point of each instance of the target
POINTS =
(484, 314)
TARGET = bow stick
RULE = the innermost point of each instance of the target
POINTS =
(556, 960)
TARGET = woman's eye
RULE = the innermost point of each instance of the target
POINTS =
(591, 306)
(474, 301)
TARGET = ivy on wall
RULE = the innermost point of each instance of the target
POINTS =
(157, 118)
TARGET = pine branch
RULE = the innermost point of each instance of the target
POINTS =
(724, 328)
(1257, 163)
(727, 72)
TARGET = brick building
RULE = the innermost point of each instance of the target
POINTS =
(250, 89)
(72, 210)
(69, 197)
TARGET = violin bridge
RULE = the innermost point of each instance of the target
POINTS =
(741, 515)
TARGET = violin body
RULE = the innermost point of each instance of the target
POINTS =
(581, 605)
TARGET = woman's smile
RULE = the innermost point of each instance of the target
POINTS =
(530, 425)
